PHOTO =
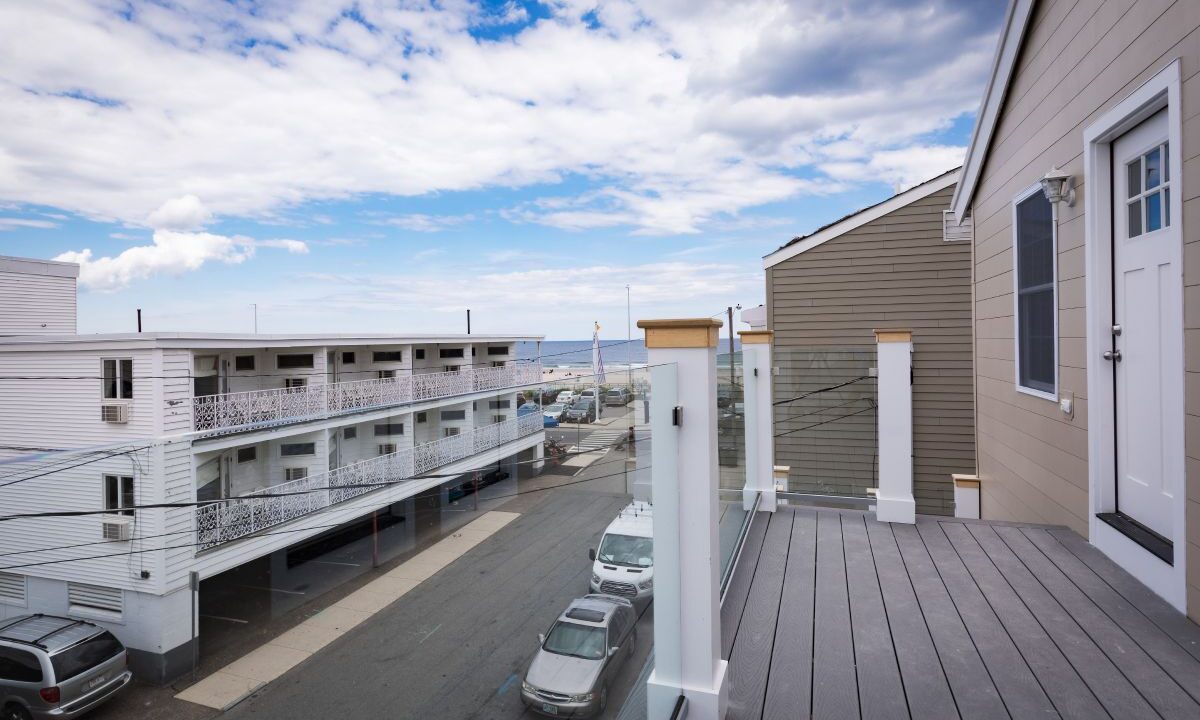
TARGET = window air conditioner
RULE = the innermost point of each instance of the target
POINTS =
(117, 527)
(114, 413)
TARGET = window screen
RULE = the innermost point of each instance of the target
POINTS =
(243, 362)
(454, 414)
(1035, 258)
(385, 429)
(294, 361)
(389, 356)
(497, 350)
(297, 449)
(450, 352)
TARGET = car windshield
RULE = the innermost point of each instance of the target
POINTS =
(554, 408)
(627, 550)
(581, 641)
(84, 656)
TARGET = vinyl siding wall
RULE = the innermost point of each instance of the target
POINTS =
(1079, 59)
(36, 304)
(893, 272)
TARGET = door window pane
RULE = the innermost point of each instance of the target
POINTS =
(1153, 169)
(1134, 173)
(1153, 212)
(1134, 210)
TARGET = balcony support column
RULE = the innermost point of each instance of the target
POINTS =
(683, 419)
(894, 498)
(759, 418)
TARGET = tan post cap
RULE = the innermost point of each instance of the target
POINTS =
(893, 336)
(756, 337)
(681, 333)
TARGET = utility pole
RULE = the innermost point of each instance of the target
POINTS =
(468, 321)
(628, 338)
(139, 319)
(731, 376)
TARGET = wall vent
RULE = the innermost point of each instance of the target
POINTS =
(953, 231)
(93, 598)
(117, 413)
(12, 588)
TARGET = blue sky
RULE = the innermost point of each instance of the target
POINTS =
(381, 166)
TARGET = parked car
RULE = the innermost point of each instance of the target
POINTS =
(578, 659)
(56, 667)
(582, 411)
(624, 563)
(528, 408)
(554, 411)
(566, 397)
(617, 397)
(470, 485)
(549, 421)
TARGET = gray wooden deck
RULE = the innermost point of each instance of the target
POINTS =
(831, 614)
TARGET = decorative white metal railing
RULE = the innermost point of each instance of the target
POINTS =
(225, 520)
(281, 405)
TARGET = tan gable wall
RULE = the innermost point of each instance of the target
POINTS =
(893, 272)
(1079, 59)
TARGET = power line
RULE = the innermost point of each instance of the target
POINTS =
(59, 468)
(824, 422)
(821, 390)
(284, 532)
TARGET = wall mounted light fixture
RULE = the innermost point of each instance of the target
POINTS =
(1058, 185)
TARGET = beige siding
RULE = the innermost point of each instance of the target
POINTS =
(893, 272)
(1079, 59)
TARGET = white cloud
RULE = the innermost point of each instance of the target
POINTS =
(171, 253)
(682, 111)
(8, 223)
(181, 213)
(902, 168)
(418, 222)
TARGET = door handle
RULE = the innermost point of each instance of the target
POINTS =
(1114, 355)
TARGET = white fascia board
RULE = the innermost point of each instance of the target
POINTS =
(874, 212)
(236, 341)
(31, 266)
(1007, 50)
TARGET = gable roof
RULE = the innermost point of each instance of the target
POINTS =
(860, 217)
(1011, 36)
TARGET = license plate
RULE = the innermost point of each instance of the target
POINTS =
(549, 709)
(96, 682)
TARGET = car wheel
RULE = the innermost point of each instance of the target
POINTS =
(632, 643)
(16, 712)
(603, 698)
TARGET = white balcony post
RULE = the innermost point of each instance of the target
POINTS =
(683, 420)
(760, 426)
(895, 494)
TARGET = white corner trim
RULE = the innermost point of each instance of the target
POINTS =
(863, 217)
(1161, 91)
(1021, 197)
(1007, 50)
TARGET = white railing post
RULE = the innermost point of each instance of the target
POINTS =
(759, 418)
(894, 498)
(683, 419)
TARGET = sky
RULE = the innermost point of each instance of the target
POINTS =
(381, 166)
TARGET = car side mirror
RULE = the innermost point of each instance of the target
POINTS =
(541, 639)
(592, 554)
(613, 651)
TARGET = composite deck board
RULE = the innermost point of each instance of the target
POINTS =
(1110, 686)
(789, 684)
(739, 585)
(838, 616)
(1021, 691)
(1152, 682)
(925, 685)
(1168, 653)
(880, 690)
(1070, 695)
(835, 686)
(750, 658)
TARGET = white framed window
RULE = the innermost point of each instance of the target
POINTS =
(118, 494)
(293, 361)
(117, 374)
(1035, 294)
(95, 600)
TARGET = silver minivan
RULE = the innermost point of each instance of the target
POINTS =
(56, 667)
(578, 659)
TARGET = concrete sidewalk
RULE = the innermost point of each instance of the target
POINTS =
(237, 680)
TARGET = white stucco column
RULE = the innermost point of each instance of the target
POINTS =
(683, 423)
(895, 496)
(759, 419)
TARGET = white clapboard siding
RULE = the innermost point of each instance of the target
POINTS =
(953, 230)
(33, 303)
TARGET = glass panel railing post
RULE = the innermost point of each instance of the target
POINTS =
(759, 426)
(894, 498)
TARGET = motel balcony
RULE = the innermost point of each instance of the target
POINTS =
(390, 466)
(309, 393)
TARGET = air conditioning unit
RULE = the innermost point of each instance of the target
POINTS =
(387, 448)
(114, 413)
(116, 527)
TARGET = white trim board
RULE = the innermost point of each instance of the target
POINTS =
(1005, 61)
(1161, 91)
(863, 217)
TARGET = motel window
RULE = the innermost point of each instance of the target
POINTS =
(1036, 304)
(350, 433)
(450, 353)
(497, 350)
(419, 354)
(421, 417)
(385, 429)
(118, 494)
(297, 449)
(290, 362)
(389, 356)
(454, 414)
(243, 362)
(118, 378)
(245, 455)
(499, 404)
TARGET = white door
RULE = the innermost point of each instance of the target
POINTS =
(1147, 342)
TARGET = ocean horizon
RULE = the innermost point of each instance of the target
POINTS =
(579, 352)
